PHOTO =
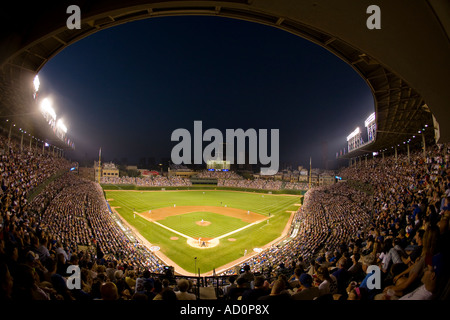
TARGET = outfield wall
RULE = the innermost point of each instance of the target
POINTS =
(200, 187)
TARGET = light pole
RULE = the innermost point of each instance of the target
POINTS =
(195, 266)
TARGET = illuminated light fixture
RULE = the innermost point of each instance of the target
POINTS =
(46, 107)
(419, 131)
(370, 119)
(36, 83)
(61, 125)
(426, 126)
(354, 133)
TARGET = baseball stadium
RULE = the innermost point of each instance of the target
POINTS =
(373, 227)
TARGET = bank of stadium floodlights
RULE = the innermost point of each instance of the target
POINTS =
(49, 114)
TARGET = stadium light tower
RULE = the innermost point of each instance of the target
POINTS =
(354, 139)
(371, 127)
(60, 124)
(36, 84)
(47, 109)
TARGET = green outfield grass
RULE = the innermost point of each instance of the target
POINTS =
(179, 251)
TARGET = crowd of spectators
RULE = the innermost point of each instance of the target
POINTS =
(263, 184)
(396, 217)
(225, 175)
(67, 223)
(155, 181)
(330, 215)
(296, 186)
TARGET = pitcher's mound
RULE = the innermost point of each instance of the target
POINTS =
(203, 223)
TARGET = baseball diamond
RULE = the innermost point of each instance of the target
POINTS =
(218, 227)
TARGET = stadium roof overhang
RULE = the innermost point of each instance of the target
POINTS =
(406, 63)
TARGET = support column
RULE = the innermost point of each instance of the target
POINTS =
(407, 149)
(395, 149)
(424, 145)
(9, 134)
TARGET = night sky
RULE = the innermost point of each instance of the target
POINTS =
(126, 88)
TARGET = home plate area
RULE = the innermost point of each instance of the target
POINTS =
(203, 243)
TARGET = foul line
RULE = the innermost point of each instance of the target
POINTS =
(217, 238)
(240, 229)
(174, 231)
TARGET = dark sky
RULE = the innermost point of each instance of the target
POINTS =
(126, 88)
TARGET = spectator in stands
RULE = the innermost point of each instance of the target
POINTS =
(232, 284)
(306, 291)
(109, 291)
(414, 272)
(168, 295)
(278, 293)
(260, 289)
(328, 283)
(355, 270)
(247, 275)
(295, 278)
(235, 293)
(430, 280)
(342, 275)
(183, 294)
(356, 293)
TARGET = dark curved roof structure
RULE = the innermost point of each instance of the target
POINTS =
(406, 63)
